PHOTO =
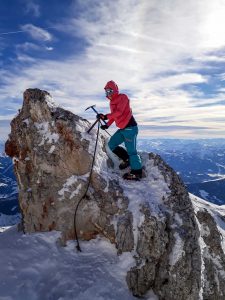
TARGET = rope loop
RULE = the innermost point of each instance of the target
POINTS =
(85, 193)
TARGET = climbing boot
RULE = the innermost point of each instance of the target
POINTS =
(124, 164)
(121, 153)
(133, 175)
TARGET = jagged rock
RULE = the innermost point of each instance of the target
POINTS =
(167, 246)
(152, 220)
(52, 157)
(213, 258)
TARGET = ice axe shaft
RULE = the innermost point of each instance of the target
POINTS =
(93, 125)
(93, 108)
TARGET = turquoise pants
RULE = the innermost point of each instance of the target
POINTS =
(128, 136)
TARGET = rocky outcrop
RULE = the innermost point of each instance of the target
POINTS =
(211, 225)
(167, 243)
(153, 220)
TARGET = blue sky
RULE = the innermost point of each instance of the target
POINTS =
(168, 56)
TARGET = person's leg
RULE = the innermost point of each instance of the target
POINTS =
(114, 142)
(130, 139)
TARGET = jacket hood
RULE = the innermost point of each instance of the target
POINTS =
(112, 85)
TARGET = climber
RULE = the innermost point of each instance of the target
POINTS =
(127, 133)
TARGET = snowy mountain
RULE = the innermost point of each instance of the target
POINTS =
(38, 268)
(147, 231)
(200, 163)
(2, 147)
(9, 211)
(212, 191)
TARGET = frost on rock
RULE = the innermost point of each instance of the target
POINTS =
(50, 102)
(211, 223)
(72, 186)
(46, 134)
(151, 223)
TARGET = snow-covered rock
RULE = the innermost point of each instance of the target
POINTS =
(151, 221)
(211, 223)
(9, 212)
(7, 220)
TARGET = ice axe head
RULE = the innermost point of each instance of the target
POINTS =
(92, 107)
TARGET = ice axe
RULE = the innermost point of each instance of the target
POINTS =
(93, 108)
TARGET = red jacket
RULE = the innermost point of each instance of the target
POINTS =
(121, 112)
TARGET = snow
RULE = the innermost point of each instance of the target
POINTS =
(41, 269)
(217, 212)
(202, 248)
(51, 103)
(6, 220)
(26, 121)
(82, 126)
(51, 149)
(203, 194)
(38, 268)
(100, 161)
(47, 135)
(3, 228)
(14, 207)
(68, 186)
(151, 191)
(77, 191)
(178, 219)
(177, 250)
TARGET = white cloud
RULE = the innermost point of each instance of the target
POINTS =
(22, 51)
(7, 117)
(49, 48)
(222, 90)
(151, 48)
(32, 8)
(4, 129)
(37, 33)
(27, 46)
(211, 58)
(222, 77)
(25, 58)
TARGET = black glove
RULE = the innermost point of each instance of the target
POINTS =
(101, 117)
(104, 127)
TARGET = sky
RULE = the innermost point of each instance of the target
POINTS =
(167, 56)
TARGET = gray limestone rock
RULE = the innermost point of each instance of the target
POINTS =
(213, 265)
(152, 220)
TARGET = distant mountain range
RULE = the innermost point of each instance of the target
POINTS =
(9, 210)
(200, 163)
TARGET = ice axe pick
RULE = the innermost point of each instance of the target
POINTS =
(93, 108)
